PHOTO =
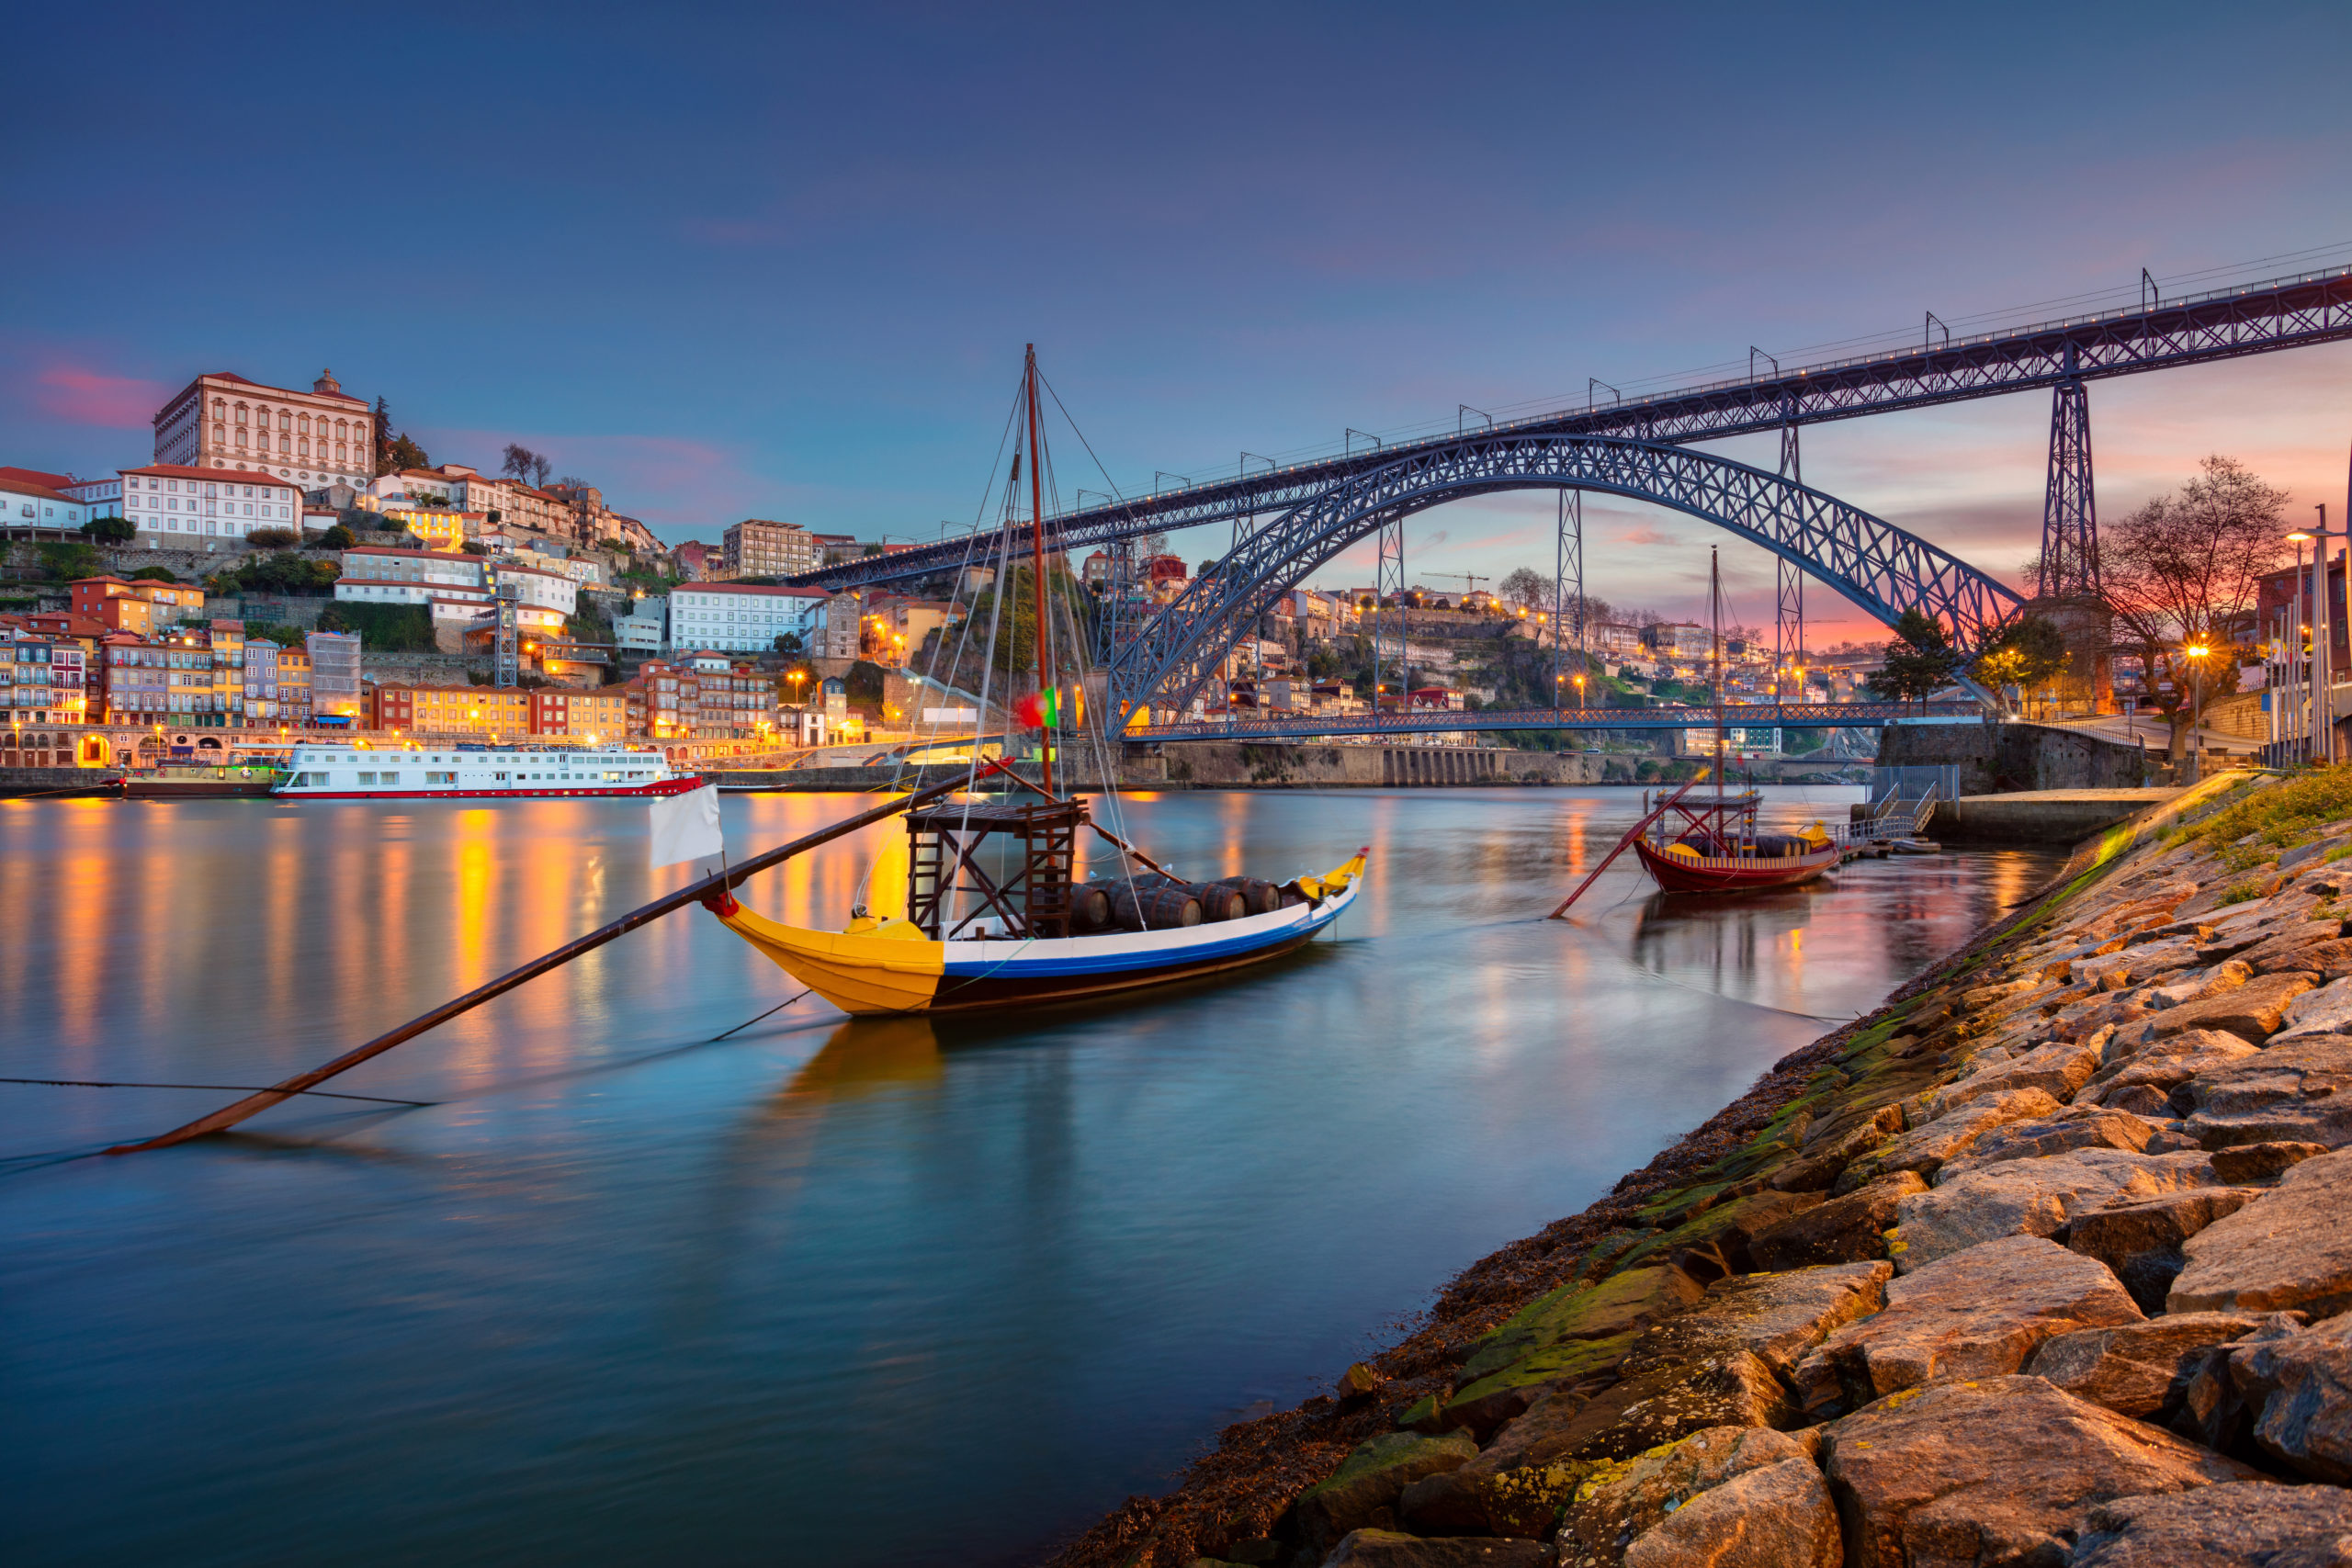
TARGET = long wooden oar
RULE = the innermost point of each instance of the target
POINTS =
(694, 893)
(1622, 844)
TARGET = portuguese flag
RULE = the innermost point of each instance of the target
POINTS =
(1052, 708)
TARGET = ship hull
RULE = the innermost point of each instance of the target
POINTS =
(1728, 874)
(868, 976)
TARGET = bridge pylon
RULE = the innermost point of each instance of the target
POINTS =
(1787, 614)
(2069, 511)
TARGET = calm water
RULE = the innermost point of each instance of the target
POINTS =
(825, 1294)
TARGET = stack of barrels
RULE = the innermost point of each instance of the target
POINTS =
(1162, 902)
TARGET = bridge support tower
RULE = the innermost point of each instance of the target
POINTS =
(1788, 616)
(2068, 593)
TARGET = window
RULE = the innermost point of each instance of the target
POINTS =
(368, 778)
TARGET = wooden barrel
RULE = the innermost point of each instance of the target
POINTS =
(1221, 901)
(1090, 907)
(1261, 896)
(1155, 908)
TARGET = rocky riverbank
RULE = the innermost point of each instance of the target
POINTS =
(2044, 1262)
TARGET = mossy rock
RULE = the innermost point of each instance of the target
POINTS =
(1370, 1479)
(1563, 1362)
(1624, 1301)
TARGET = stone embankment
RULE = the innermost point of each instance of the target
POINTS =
(2045, 1262)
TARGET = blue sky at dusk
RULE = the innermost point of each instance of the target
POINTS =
(781, 262)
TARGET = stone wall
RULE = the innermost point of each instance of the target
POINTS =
(1994, 759)
(1214, 764)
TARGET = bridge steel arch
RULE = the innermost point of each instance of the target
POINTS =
(1878, 567)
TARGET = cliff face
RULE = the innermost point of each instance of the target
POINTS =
(2042, 1263)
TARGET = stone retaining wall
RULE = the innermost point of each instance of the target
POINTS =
(1995, 758)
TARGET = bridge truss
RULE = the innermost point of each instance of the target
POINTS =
(2224, 323)
(1882, 569)
(1443, 721)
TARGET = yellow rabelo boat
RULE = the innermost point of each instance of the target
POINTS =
(1035, 928)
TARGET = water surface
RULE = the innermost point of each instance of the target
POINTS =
(872, 1293)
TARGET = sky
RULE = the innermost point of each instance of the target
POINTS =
(781, 262)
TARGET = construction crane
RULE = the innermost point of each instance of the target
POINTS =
(1470, 579)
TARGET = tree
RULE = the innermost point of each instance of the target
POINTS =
(2028, 652)
(518, 461)
(2181, 572)
(155, 574)
(1919, 662)
(787, 642)
(383, 435)
(336, 537)
(1527, 587)
(273, 538)
(69, 561)
(540, 469)
(110, 530)
(404, 453)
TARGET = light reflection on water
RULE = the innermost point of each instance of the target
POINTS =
(872, 1293)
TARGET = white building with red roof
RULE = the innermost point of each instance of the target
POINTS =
(740, 617)
(177, 507)
(37, 500)
(223, 421)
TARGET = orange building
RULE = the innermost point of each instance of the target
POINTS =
(144, 607)
(592, 717)
(485, 713)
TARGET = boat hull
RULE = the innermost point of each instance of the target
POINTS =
(137, 788)
(1728, 874)
(901, 971)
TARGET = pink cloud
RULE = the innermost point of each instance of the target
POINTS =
(80, 396)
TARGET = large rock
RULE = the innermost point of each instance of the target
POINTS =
(2252, 1011)
(1926, 1147)
(1780, 1516)
(2298, 1092)
(2288, 1248)
(2067, 1128)
(2057, 1069)
(2032, 1197)
(2205, 1405)
(1618, 1503)
(2002, 1471)
(2165, 1063)
(1616, 1305)
(2142, 1240)
(2133, 1368)
(1845, 1229)
(1775, 1317)
(1364, 1489)
(2313, 948)
(1387, 1548)
(2243, 1165)
(1979, 1313)
(2198, 984)
(2239, 1524)
(2299, 1386)
(2327, 1011)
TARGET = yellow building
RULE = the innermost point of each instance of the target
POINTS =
(439, 530)
(483, 713)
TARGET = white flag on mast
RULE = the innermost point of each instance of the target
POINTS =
(685, 827)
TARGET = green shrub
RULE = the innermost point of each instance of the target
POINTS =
(388, 628)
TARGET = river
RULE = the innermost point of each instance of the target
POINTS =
(880, 1294)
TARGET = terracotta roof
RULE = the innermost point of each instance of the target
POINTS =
(233, 476)
(40, 477)
(265, 387)
(27, 486)
(758, 588)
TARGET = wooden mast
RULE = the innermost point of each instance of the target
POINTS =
(1037, 568)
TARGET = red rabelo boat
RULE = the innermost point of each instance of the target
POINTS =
(1710, 843)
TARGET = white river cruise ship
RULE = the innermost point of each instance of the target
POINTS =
(329, 771)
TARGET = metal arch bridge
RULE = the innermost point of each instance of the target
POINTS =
(1882, 569)
(1446, 721)
(2224, 323)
